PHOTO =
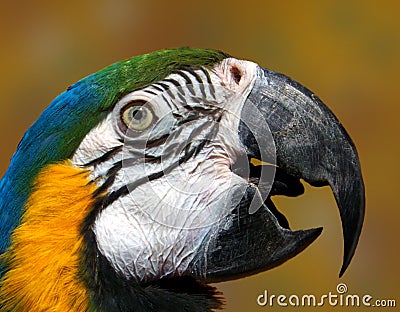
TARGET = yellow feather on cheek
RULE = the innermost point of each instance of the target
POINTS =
(45, 252)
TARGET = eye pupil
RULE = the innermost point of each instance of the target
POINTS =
(137, 114)
(137, 117)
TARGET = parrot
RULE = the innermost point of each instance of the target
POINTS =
(142, 185)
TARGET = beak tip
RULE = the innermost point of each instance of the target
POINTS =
(304, 238)
(351, 203)
(342, 270)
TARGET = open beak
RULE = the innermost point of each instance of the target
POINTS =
(310, 144)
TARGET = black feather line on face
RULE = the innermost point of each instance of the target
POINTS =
(106, 156)
(209, 82)
(170, 103)
(106, 200)
(199, 80)
(189, 83)
(147, 144)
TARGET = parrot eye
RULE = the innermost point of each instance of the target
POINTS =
(136, 116)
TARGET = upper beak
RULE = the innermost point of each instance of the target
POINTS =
(311, 144)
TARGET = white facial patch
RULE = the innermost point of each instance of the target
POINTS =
(179, 186)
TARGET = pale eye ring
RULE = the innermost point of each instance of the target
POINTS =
(137, 116)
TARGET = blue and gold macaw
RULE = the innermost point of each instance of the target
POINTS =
(146, 181)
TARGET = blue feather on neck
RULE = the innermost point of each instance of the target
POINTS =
(52, 138)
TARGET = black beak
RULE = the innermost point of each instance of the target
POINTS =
(310, 144)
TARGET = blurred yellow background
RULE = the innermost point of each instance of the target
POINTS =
(347, 52)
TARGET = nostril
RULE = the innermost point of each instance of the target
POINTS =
(236, 74)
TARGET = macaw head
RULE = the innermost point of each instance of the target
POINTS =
(144, 182)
